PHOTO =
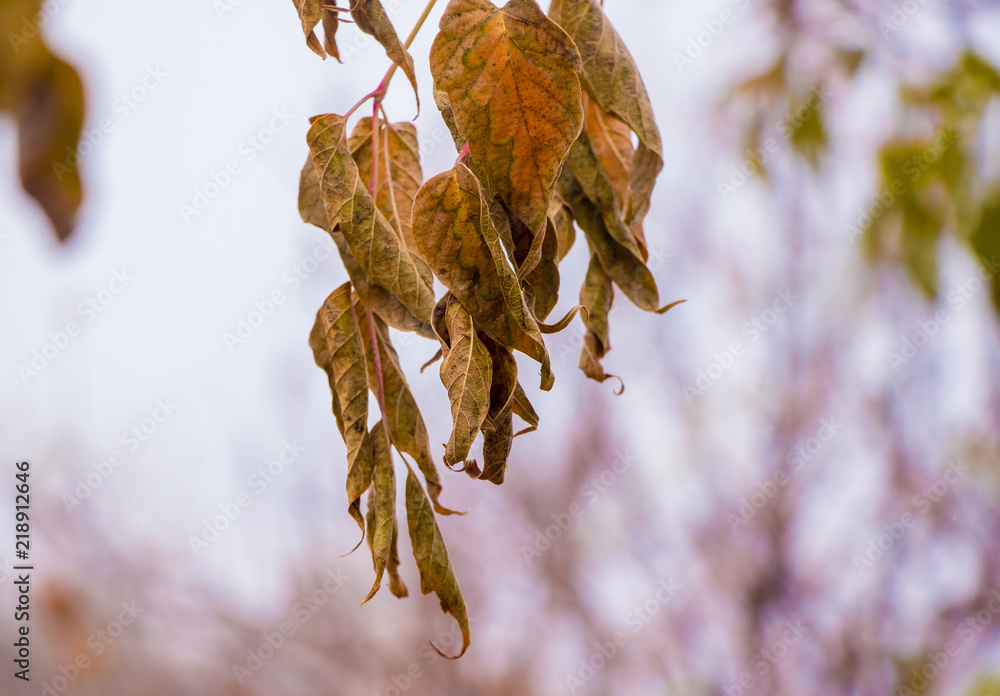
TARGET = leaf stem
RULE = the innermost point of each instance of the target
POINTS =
(379, 94)
(375, 139)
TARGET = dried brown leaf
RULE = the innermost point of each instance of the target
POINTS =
(337, 343)
(433, 564)
(467, 374)
(453, 229)
(381, 516)
(310, 13)
(373, 20)
(370, 237)
(374, 296)
(402, 415)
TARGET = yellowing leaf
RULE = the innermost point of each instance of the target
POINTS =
(381, 517)
(511, 76)
(436, 573)
(454, 232)
(612, 143)
(45, 96)
(370, 237)
(585, 166)
(467, 374)
(338, 343)
(372, 19)
(374, 296)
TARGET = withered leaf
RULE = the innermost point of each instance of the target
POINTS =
(370, 237)
(453, 230)
(45, 96)
(646, 166)
(434, 358)
(612, 79)
(609, 72)
(562, 220)
(331, 20)
(381, 516)
(498, 426)
(374, 296)
(402, 415)
(311, 207)
(444, 106)
(373, 20)
(467, 374)
(396, 584)
(310, 12)
(498, 437)
(585, 165)
(344, 352)
(524, 410)
(439, 324)
(436, 573)
(565, 321)
(377, 298)
(612, 143)
(597, 296)
(399, 173)
(511, 76)
(321, 354)
(541, 283)
(623, 263)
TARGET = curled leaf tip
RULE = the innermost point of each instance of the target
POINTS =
(564, 322)
(465, 465)
(465, 647)
(472, 469)
(621, 385)
(437, 356)
(360, 541)
(667, 308)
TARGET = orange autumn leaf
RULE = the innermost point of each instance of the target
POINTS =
(511, 76)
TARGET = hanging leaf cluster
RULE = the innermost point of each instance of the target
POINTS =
(544, 109)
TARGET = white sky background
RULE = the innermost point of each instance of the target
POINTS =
(162, 337)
